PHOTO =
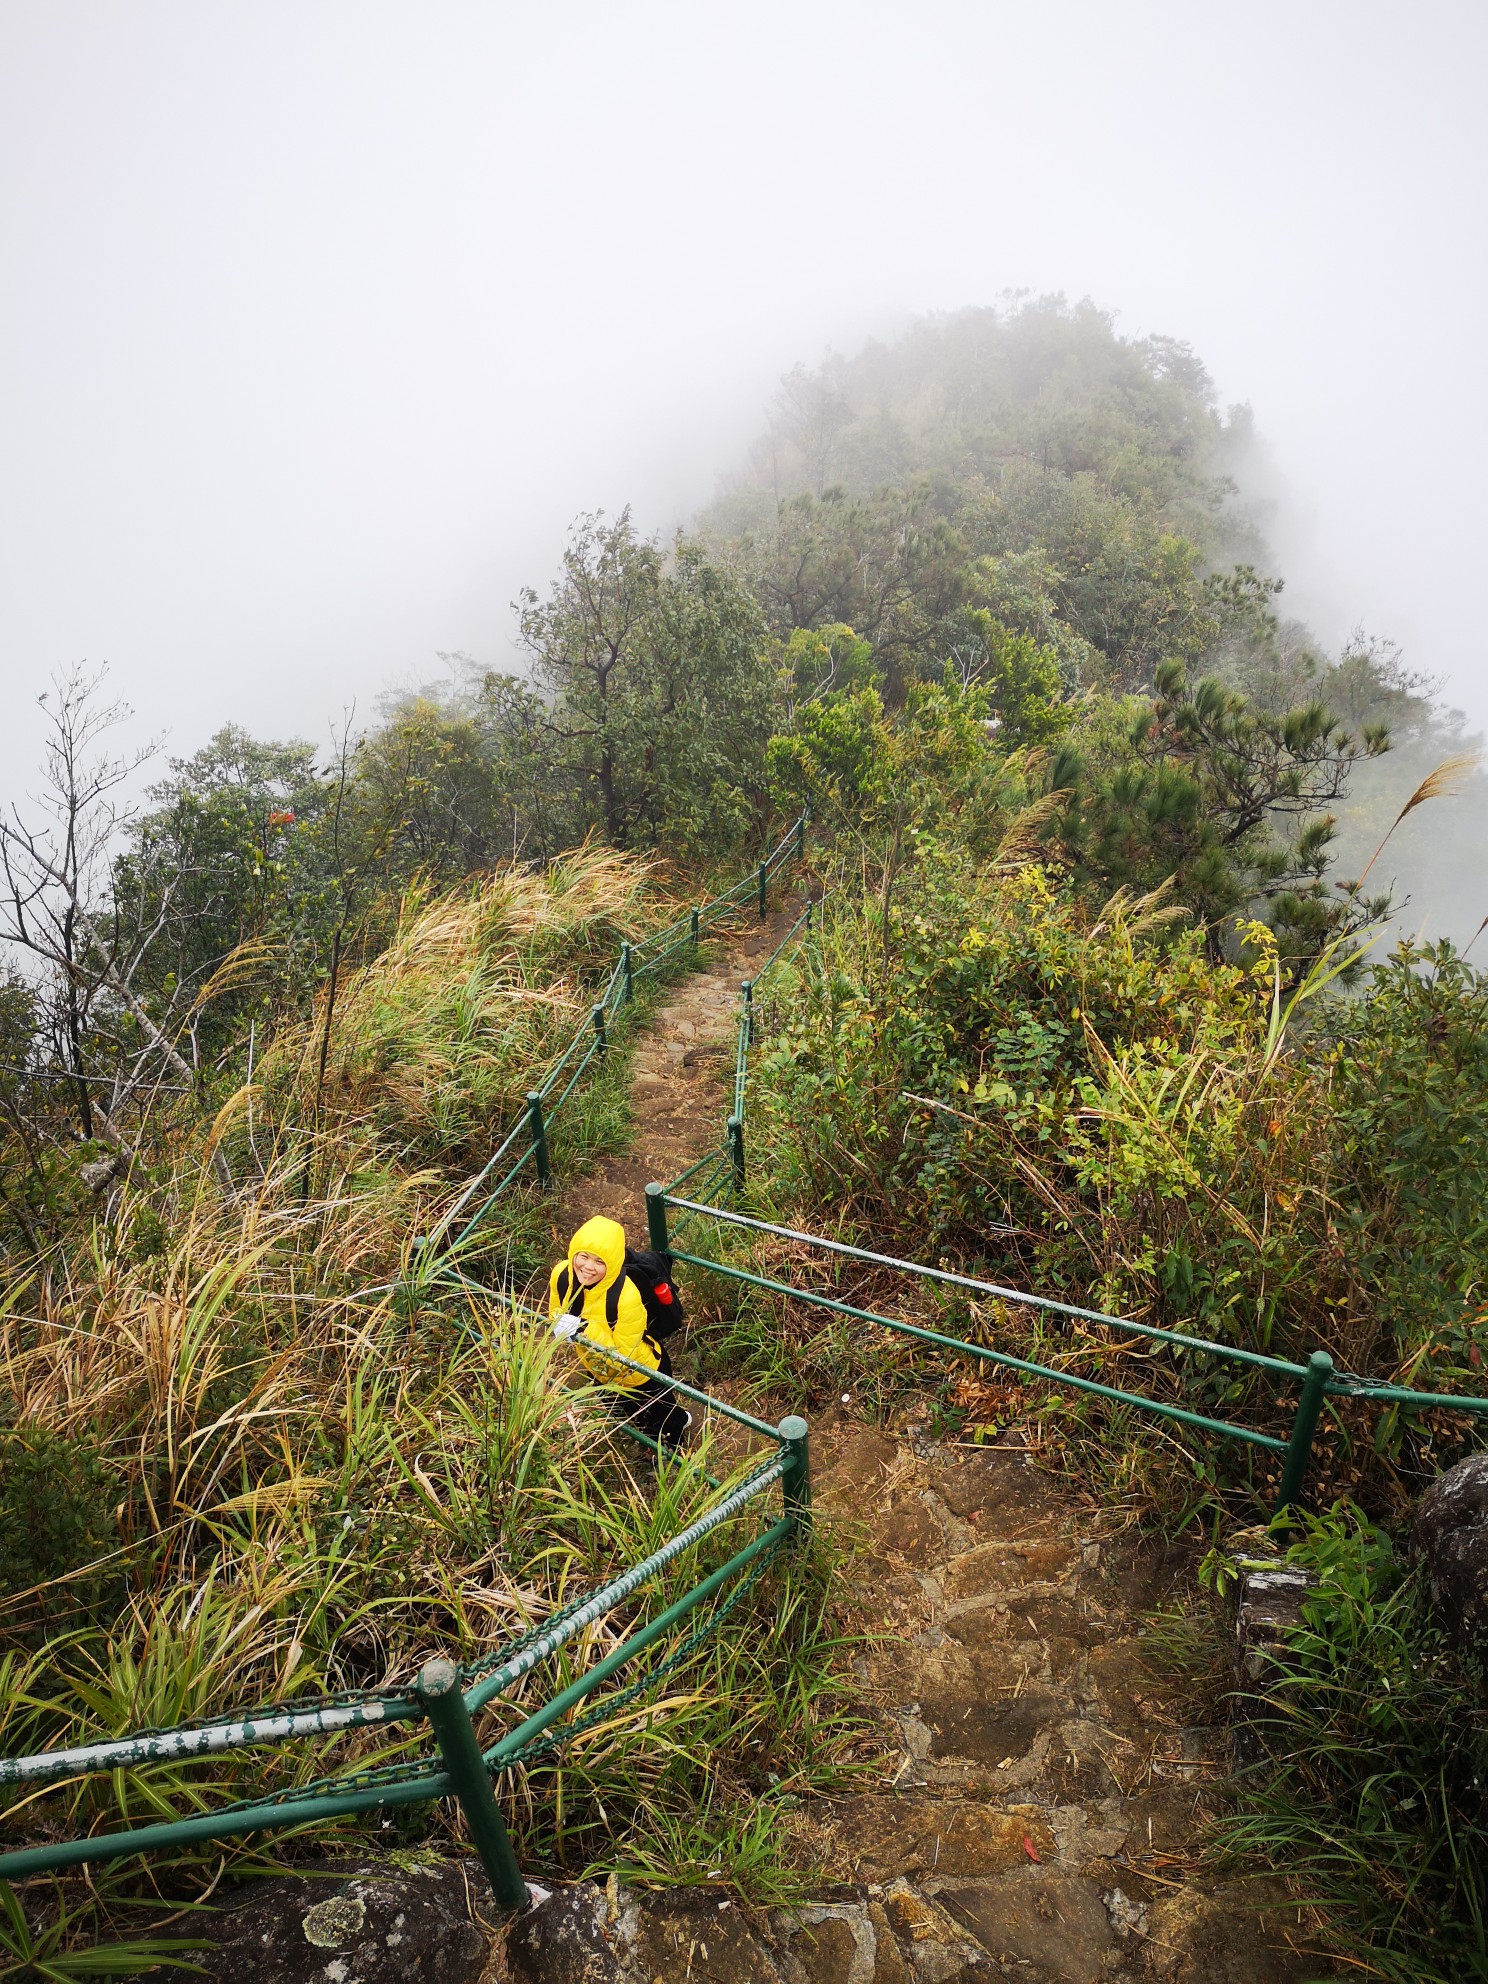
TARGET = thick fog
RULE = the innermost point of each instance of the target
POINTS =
(322, 321)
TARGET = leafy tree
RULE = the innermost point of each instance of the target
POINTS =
(889, 779)
(1370, 684)
(838, 758)
(818, 661)
(960, 397)
(427, 794)
(659, 699)
(234, 858)
(1019, 589)
(888, 564)
(1028, 461)
(1023, 681)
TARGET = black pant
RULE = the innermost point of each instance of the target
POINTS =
(653, 1408)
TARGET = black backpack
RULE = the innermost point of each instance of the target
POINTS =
(651, 1275)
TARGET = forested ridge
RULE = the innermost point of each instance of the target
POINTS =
(1106, 836)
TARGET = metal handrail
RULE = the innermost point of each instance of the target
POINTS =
(618, 988)
(996, 1289)
(1318, 1379)
(437, 1697)
(1296, 1449)
(963, 1347)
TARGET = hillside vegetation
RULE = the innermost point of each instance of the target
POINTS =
(1095, 1012)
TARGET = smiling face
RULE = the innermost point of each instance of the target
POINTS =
(589, 1268)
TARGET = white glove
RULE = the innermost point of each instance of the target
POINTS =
(567, 1326)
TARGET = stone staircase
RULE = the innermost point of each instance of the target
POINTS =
(1039, 1791)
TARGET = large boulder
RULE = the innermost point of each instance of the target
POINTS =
(1450, 1537)
(414, 1923)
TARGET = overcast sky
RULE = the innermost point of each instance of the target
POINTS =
(321, 321)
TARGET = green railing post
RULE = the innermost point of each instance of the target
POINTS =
(599, 1028)
(694, 923)
(809, 908)
(736, 1150)
(438, 1691)
(539, 1137)
(746, 989)
(795, 1483)
(1304, 1428)
(764, 884)
(801, 837)
(627, 976)
(656, 1219)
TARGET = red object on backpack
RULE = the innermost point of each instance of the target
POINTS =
(651, 1274)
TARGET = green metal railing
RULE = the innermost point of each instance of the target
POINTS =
(722, 1171)
(722, 1175)
(528, 1137)
(1317, 1379)
(446, 1696)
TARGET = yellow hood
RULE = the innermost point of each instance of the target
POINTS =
(606, 1238)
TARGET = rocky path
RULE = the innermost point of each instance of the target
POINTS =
(681, 1071)
(1035, 1806)
(1042, 1785)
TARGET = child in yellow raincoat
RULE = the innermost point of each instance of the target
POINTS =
(592, 1299)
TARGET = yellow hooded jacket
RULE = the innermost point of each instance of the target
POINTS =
(606, 1238)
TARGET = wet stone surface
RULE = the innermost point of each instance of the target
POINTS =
(1044, 1786)
(375, 1924)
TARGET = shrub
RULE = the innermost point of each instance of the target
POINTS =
(56, 1520)
(1374, 1794)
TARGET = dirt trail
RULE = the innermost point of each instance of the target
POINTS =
(1044, 1788)
(1033, 1807)
(680, 1076)
(1041, 1788)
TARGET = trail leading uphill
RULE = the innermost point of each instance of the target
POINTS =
(1033, 1796)
(1040, 1788)
(677, 1073)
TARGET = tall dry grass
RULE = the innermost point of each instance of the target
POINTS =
(306, 1463)
(433, 1044)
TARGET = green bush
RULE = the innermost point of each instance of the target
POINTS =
(1411, 1092)
(1088, 1104)
(56, 1501)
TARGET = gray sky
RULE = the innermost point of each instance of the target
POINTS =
(321, 321)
